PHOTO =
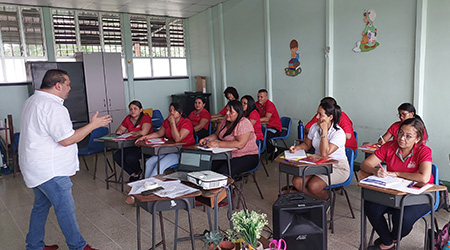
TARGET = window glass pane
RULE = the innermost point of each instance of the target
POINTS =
(16, 65)
(179, 67)
(161, 67)
(139, 36)
(32, 25)
(112, 35)
(142, 67)
(10, 31)
(159, 37)
(124, 68)
(64, 30)
(66, 59)
(89, 32)
(177, 48)
(2, 77)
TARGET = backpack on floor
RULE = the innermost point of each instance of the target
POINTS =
(441, 237)
(443, 199)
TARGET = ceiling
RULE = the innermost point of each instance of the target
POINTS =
(170, 8)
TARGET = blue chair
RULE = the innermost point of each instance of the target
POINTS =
(435, 173)
(157, 120)
(285, 130)
(244, 176)
(93, 146)
(210, 129)
(356, 138)
(15, 148)
(341, 186)
(262, 148)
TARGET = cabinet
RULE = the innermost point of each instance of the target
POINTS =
(76, 102)
(104, 85)
(187, 100)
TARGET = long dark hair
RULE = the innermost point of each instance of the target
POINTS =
(418, 124)
(251, 104)
(334, 110)
(177, 108)
(139, 105)
(411, 109)
(237, 106)
(233, 91)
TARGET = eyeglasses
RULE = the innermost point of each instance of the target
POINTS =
(403, 114)
(400, 134)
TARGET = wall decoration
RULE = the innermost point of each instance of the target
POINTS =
(369, 35)
(294, 64)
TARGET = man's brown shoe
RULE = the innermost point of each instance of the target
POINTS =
(52, 247)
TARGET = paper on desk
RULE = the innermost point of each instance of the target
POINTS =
(137, 187)
(297, 155)
(215, 150)
(175, 190)
(125, 136)
(395, 183)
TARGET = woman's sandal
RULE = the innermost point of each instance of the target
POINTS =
(130, 200)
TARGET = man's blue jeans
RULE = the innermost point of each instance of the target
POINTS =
(56, 192)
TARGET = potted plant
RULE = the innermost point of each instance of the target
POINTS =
(250, 225)
(214, 240)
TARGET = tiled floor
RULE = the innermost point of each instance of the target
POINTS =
(107, 223)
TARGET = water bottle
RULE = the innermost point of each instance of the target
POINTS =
(300, 130)
(446, 246)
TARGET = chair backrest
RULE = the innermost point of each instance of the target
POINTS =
(285, 126)
(209, 128)
(148, 111)
(157, 118)
(435, 173)
(350, 157)
(263, 143)
(356, 138)
(15, 142)
(95, 134)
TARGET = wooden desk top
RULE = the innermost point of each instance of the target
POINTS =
(302, 164)
(362, 174)
(168, 143)
(115, 140)
(153, 197)
(367, 144)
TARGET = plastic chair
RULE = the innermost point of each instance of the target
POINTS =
(251, 172)
(157, 119)
(93, 146)
(285, 130)
(15, 148)
(435, 173)
(262, 148)
(350, 157)
(356, 154)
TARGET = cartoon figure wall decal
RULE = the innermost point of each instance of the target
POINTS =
(294, 64)
(369, 35)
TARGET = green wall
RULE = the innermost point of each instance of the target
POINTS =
(368, 86)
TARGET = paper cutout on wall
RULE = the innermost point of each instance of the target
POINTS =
(294, 64)
(369, 35)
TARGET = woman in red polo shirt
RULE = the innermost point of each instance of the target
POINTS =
(136, 123)
(407, 157)
(200, 118)
(251, 113)
(405, 111)
(175, 127)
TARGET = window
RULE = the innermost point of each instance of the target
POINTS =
(158, 46)
(21, 41)
(112, 35)
(89, 32)
(65, 33)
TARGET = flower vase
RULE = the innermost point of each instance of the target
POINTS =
(258, 247)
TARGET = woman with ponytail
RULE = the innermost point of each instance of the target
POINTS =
(328, 140)
(136, 123)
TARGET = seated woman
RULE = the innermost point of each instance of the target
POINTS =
(175, 127)
(231, 94)
(200, 118)
(328, 140)
(407, 157)
(235, 131)
(250, 112)
(405, 111)
(136, 123)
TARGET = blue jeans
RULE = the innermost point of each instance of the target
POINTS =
(167, 160)
(56, 192)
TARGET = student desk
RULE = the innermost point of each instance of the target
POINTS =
(116, 145)
(168, 147)
(226, 155)
(395, 199)
(153, 204)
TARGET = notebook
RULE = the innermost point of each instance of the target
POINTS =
(191, 160)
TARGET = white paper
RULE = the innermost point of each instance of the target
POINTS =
(395, 183)
(299, 154)
(216, 150)
(123, 136)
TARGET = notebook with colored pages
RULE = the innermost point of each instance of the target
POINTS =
(314, 159)
(154, 141)
(396, 183)
(369, 147)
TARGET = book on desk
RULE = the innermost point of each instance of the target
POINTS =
(215, 150)
(369, 147)
(310, 159)
(396, 183)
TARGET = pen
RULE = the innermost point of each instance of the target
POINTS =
(379, 166)
(382, 140)
(411, 184)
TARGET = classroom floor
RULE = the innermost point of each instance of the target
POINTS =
(107, 223)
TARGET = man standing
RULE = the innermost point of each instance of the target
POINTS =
(269, 115)
(48, 156)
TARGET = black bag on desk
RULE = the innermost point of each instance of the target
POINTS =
(301, 221)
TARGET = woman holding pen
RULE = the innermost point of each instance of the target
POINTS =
(405, 111)
(235, 131)
(328, 140)
(407, 157)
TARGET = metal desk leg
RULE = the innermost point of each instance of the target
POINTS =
(106, 167)
(138, 225)
(208, 213)
(230, 206)
(363, 223)
(216, 212)
(161, 224)
(176, 231)
(279, 182)
(121, 170)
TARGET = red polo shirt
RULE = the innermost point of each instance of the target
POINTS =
(183, 123)
(128, 124)
(269, 107)
(195, 118)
